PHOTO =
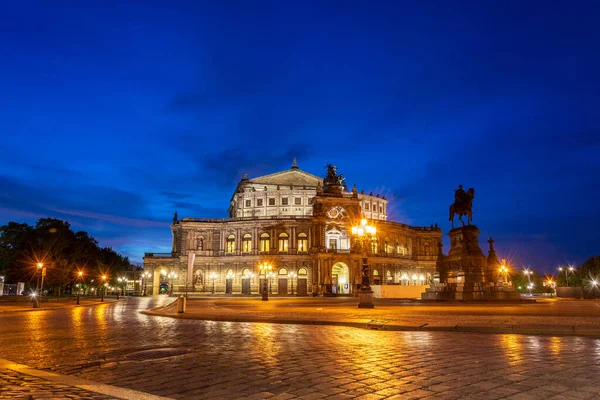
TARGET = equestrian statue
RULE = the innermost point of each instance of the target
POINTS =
(463, 205)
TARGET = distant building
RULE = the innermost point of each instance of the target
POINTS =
(292, 220)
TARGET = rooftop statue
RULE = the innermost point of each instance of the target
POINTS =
(332, 178)
(463, 205)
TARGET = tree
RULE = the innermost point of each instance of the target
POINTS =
(16, 240)
(62, 251)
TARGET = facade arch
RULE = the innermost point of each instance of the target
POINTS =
(340, 278)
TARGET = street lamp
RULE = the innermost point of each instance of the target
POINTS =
(530, 286)
(567, 269)
(264, 268)
(145, 276)
(504, 271)
(79, 276)
(212, 277)
(172, 276)
(292, 276)
(364, 233)
(271, 276)
(528, 272)
(103, 287)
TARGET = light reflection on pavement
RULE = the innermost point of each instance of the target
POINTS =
(242, 359)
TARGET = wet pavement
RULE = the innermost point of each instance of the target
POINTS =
(546, 316)
(117, 345)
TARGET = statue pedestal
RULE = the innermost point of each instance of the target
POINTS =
(365, 299)
(464, 274)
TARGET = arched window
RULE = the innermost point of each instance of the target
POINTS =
(376, 278)
(388, 276)
(283, 242)
(230, 244)
(302, 243)
(265, 242)
(247, 243)
(200, 244)
(302, 271)
(246, 273)
(283, 271)
(374, 245)
(229, 274)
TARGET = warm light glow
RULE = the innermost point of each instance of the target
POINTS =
(571, 269)
(354, 230)
(213, 276)
(595, 282)
(404, 276)
(80, 273)
(103, 277)
(40, 265)
(363, 222)
(163, 272)
(414, 277)
(422, 278)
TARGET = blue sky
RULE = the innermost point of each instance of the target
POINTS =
(113, 115)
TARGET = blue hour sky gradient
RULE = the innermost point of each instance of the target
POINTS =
(115, 114)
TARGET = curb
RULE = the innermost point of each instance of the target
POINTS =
(542, 330)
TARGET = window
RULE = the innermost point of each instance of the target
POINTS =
(246, 273)
(302, 242)
(302, 271)
(374, 246)
(265, 242)
(259, 202)
(381, 209)
(283, 271)
(230, 244)
(272, 202)
(248, 203)
(247, 243)
(283, 242)
(311, 200)
(284, 201)
(366, 207)
(298, 201)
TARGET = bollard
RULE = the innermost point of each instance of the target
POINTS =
(181, 303)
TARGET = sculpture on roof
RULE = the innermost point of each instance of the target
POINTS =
(332, 178)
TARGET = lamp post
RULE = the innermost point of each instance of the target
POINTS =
(364, 233)
(292, 276)
(567, 269)
(79, 277)
(103, 287)
(172, 276)
(504, 271)
(212, 277)
(38, 271)
(264, 268)
(530, 286)
(145, 277)
(271, 275)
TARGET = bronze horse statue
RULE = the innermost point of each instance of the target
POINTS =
(463, 207)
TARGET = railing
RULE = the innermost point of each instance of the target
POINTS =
(270, 217)
(159, 255)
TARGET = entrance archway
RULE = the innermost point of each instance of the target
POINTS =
(340, 278)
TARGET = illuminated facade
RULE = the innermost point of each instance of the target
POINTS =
(289, 220)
